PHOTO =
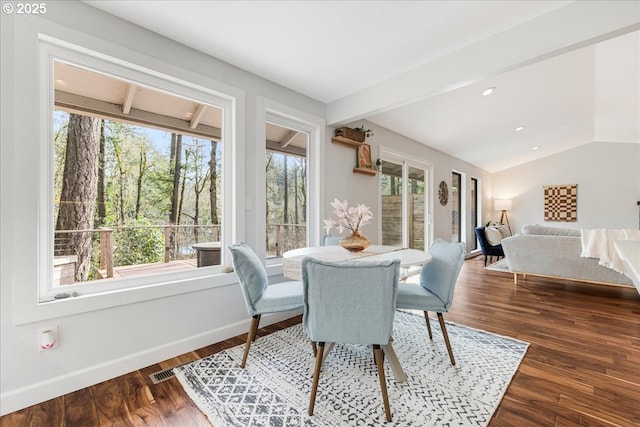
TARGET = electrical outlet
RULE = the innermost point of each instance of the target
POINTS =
(48, 338)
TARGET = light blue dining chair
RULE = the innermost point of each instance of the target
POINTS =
(437, 283)
(329, 240)
(349, 302)
(260, 297)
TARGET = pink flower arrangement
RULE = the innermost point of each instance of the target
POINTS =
(349, 218)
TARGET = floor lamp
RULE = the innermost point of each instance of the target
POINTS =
(503, 205)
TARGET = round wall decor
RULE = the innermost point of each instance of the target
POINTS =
(443, 193)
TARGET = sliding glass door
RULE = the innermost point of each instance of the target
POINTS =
(456, 207)
(404, 205)
(472, 242)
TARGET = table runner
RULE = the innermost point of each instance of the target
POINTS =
(292, 266)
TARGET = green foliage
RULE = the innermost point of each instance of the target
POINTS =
(137, 243)
(367, 132)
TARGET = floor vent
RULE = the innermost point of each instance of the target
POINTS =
(161, 376)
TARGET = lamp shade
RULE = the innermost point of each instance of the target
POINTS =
(502, 204)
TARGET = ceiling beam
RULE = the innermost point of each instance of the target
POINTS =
(197, 116)
(291, 150)
(289, 137)
(128, 98)
(106, 110)
(574, 26)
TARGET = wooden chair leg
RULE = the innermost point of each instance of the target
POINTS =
(250, 337)
(255, 328)
(316, 377)
(383, 381)
(426, 319)
(314, 348)
(443, 327)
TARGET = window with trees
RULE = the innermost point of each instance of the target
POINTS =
(137, 180)
(286, 189)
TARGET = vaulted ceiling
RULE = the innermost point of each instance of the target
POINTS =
(568, 72)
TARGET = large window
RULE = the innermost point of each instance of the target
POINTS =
(286, 189)
(137, 182)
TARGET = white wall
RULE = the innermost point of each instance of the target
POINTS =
(608, 178)
(343, 184)
(104, 343)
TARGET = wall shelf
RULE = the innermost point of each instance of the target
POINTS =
(345, 142)
(366, 171)
(350, 143)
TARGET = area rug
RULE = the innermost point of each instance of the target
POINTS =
(501, 266)
(273, 389)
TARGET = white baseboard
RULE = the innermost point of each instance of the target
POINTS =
(33, 394)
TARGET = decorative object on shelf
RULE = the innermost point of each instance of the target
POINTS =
(364, 157)
(352, 134)
(354, 138)
(503, 205)
(561, 202)
(352, 219)
(443, 193)
(367, 132)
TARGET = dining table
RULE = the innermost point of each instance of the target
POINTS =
(292, 260)
(292, 269)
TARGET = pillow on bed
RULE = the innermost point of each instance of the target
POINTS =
(493, 235)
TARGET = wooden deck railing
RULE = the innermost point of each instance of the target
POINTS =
(177, 241)
(282, 237)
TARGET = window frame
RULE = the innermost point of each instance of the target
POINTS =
(35, 302)
(462, 204)
(474, 186)
(290, 155)
(407, 161)
(292, 118)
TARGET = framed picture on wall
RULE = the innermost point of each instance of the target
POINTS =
(364, 156)
(561, 202)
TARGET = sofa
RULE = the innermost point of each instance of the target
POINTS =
(555, 252)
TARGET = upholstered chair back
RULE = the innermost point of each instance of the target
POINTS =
(439, 276)
(251, 272)
(349, 302)
(328, 240)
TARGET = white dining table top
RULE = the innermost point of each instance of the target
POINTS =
(292, 260)
(629, 251)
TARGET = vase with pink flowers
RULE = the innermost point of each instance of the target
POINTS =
(351, 219)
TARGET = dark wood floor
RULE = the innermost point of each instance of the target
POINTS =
(582, 368)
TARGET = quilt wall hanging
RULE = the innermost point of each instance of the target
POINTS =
(561, 202)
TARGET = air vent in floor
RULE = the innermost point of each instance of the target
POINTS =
(161, 376)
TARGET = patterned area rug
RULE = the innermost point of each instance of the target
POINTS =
(273, 389)
(501, 266)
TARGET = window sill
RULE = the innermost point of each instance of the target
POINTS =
(167, 287)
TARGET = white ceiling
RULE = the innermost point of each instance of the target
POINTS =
(568, 71)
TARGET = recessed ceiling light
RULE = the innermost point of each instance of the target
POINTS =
(488, 91)
(519, 128)
(535, 147)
